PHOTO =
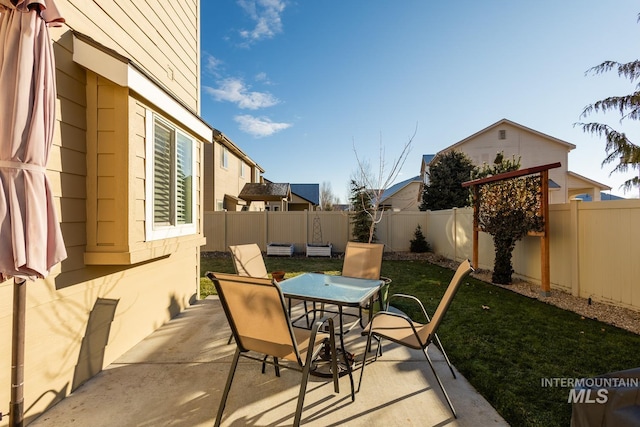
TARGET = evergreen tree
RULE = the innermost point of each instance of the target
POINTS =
(619, 148)
(419, 243)
(361, 220)
(446, 174)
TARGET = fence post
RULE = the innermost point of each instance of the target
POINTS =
(266, 229)
(574, 248)
(225, 220)
(455, 234)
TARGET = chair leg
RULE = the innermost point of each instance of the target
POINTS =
(275, 364)
(446, 396)
(334, 361)
(230, 339)
(301, 395)
(227, 387)
(364, 359)
(444, 353)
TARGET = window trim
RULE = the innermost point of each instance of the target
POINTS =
(224, 157)
(175, 230)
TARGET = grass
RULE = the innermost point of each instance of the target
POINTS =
(504, 343)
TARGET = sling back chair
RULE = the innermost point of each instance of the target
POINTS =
(364, 261)
(248, 261)
(258, 317)
(399, 328)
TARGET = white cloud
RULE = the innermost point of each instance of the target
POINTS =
(266, 14)
(259, 126)
(212, 64)
(262, 77)
(234, 90)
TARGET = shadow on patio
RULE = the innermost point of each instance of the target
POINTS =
(176, 377)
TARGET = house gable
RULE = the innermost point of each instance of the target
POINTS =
(403, 196)
(532, 147)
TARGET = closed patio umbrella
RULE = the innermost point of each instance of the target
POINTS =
(30, 238)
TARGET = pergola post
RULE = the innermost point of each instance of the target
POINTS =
(476, 225)
(545, 274)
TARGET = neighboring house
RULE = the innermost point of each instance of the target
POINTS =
(304, 197)
(274, 196)
(227, 169)
(535, 149)
(403, 196)
(424, 168)
(603, 196)
(126, 174)
(407, 195)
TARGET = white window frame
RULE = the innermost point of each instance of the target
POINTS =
(242, 168)
(153, 232)
(224, 157)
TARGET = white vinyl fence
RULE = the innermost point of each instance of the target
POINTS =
(594, 246)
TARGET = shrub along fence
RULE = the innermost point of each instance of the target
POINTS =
(594, 246)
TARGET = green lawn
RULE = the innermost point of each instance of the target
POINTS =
(502, 342)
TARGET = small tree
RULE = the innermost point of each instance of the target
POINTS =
(376, 184)
(419, 244)
(327, 198)
(360, 219)
(509, 210)
(446, 172)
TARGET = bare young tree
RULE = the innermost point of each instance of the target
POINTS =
(375, 183)
(327, 198)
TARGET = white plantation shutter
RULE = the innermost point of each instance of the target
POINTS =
(170, 190)
(162, 175)
(184, 179)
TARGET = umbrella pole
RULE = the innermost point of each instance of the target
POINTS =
(16, 412)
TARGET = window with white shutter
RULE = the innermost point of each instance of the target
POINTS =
(170, 184)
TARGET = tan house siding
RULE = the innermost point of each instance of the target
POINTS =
(406, 199)
(158, 36)
(532, 147)
(222, 181)
(115, 287)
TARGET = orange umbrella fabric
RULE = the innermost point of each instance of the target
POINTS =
(30, 238)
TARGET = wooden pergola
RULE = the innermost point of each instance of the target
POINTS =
(543, 170)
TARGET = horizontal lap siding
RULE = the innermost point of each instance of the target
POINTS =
(111, 163)
(156, 35)
(149, 293)
(67, 165)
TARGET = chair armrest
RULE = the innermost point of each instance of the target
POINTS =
(399, 315)
(414, 299)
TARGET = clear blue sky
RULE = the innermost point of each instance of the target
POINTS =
(298, 84)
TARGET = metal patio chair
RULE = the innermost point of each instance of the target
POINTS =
(260, 323)
(399, 328)
(248, 261)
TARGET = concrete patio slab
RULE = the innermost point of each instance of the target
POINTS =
(175, 377)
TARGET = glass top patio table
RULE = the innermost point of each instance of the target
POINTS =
(340, 290)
